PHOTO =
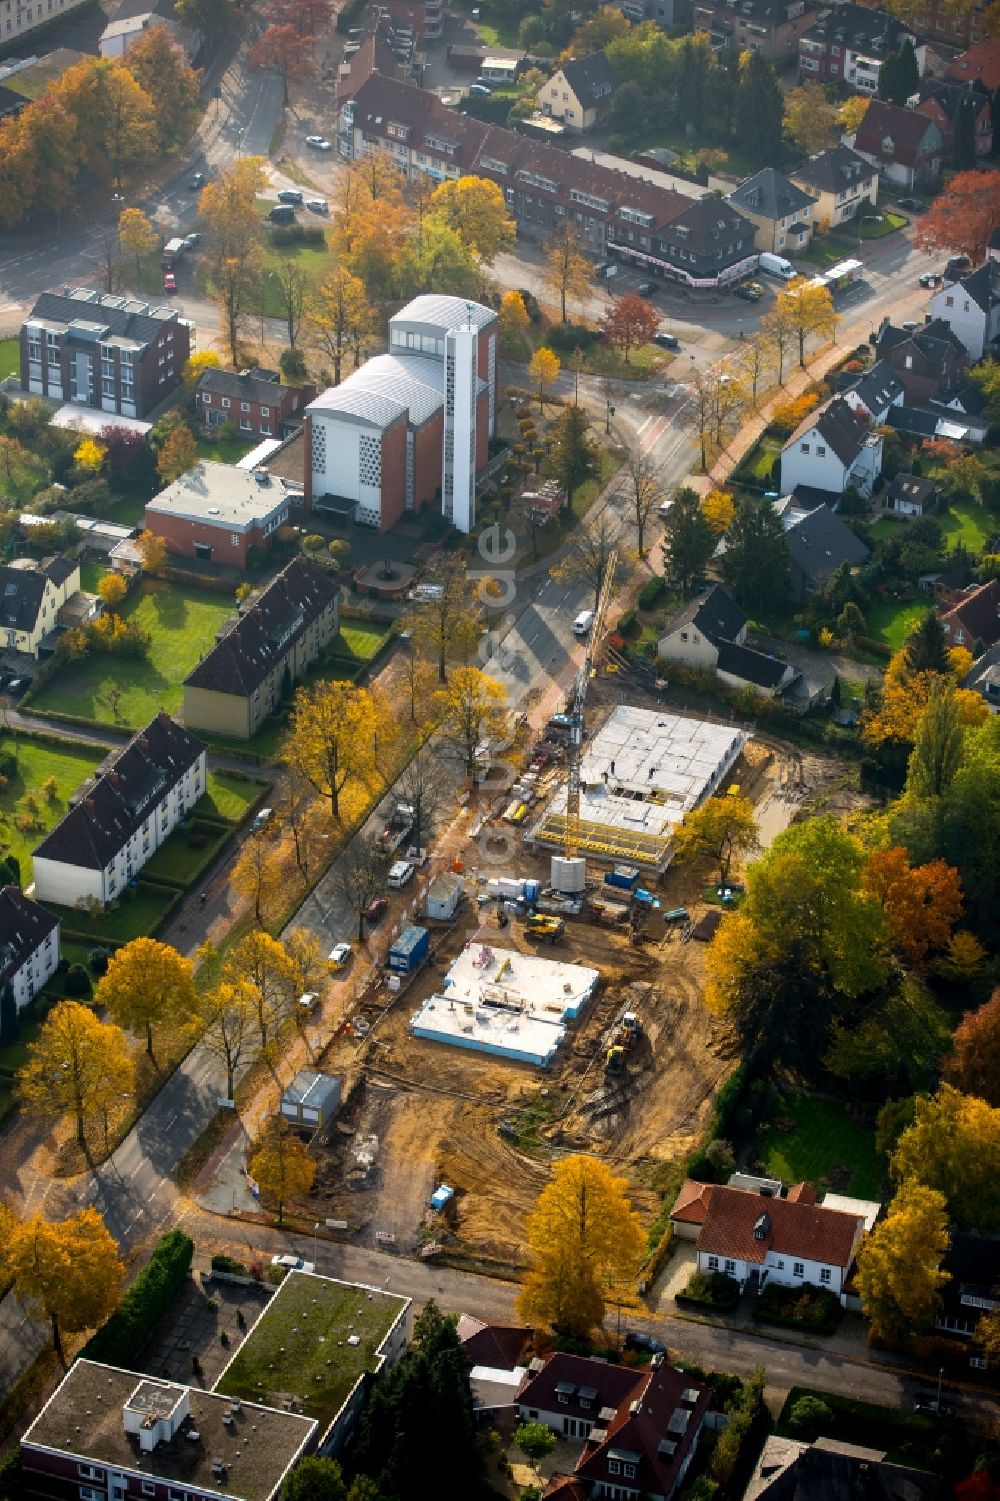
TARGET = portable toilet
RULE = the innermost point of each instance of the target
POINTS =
(440, 1197)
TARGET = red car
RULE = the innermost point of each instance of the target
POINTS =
(169, 281)
(376, 909)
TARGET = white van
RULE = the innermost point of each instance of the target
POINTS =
(776, 265)
(400, 873)
(583, 622)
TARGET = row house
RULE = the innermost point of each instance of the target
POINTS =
(29, 945)
(848, 45)
(772, 28)
(701, 243)
(258, 659)
(117, 354)
(122, 817)
(255, 401)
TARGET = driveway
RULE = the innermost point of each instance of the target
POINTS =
(817, 666)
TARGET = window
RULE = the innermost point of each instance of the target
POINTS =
(628, 1471)
(90, 1472)
(244, 406)
(206, 397)
(820, 451)
(265, 428)
(798, 1269)
(713, 1263)
(87, 1493)
(265, 411)
(148, 1488)
(730, 1264)
(825, 1274)
(804, 447)
(225, 402)
(234, 538)
(614, 1468)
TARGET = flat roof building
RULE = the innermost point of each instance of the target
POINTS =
(217, 512)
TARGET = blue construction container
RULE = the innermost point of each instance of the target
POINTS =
(409, 950)
(623, 876)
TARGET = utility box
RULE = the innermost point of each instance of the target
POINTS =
(310, 1100)
(444, 895)
(409, 951)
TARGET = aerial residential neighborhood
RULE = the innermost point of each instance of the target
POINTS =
(499, 750)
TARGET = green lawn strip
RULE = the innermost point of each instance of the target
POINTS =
(226, 450)
(821, 252)
(891, 622)
(37, 761)
(10, 357)
(886, 526)
(359, 638)
(760, 461)
(229, 797)
(968, 523)
(907, 1438)
(183, 621)
(136, 916)
(874, 227)
(179, 863)
(824, 1139)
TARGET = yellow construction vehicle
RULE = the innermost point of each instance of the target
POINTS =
(544, 925)
(615, 1061)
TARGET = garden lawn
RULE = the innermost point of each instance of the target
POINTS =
(758, 464)
(824, 1138)
(175, 861)
(873, 227)
(228, 797)
(968, 523)
(227, 450)
(821, 252)
(886, 526)
(359, 638)
(91, 574)
(37, 761)
(892, 622)
(129, 511)
(135, 917)
(183, 622)
(10, 357)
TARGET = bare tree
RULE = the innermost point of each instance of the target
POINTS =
(588, 554)
(642, 490)
(756, 360)
(292, 286)
(293, 812)
(360, 875)
(422, 786)
(109, 257)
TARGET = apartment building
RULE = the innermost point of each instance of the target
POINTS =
(840, 181)
(21, 18)
(29, 945)
(849, 44)
(770, 27)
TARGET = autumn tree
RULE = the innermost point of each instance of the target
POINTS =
(147, 982)
(974, 1063)
(73, 1064)
(257, 875)
(161, 67)
(21, 470)
(339, 318)
(281, 50)
(963, 216)
(586, 1243)
(447, 622)
(331, 740)
(263, 969)
(211, 17)
(808, 310)
(152, 552)
(778, 329)
(514, 320)
(372, 222)
(922, 904)
(811, 121)
(642, 491)
(115, 117)
(90, 454)
(852, 112)
(629, 322)
(722, 827)
(689, 542)
(228, 207)
(719, 510)
(228, 1012)
(293, 285)
(755, 364)
(593, 549)
(178, 454)
(475, 208)
(898, 1274)
(953, 1146)
(67, 1271)
(309, 17)
(543, 371)
(471, 710)
(567, 269)
(112, 589)
(136, 236)
(196, 366)
(892, 724)
(281, 1166)
(360, 874)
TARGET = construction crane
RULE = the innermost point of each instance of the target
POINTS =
(578, 699)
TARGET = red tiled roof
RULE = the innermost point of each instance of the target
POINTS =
(692, 1202)
(789, 1228)
(614, 1384)
(904, 127)
(981, 61)
(976, 614)
(565, 1488)
(495, 1345)
(653, 1432)
(801, 1193)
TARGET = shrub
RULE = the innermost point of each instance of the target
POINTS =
(122, 1336)
(626, 625)
(566, 337)
(293, 365)
(713, 1288)
(98, 960)
(223, 1263)
(8, 764)
(808, 1417)
(77, 981)
(651, 591)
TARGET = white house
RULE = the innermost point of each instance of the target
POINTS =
(29, 945)
(31, 596)
(122, 817)
(971, 308)
(874, 394)
(830, 450)
(709, 633)
(758, 1238)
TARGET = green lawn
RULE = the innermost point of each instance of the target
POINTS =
(885, 527)
(10, 357)
(91, 574)
(300, 1345)
(821, 252)
(129, 511)
(358, 638)
(176, 861)
(135, 917)
(758, 464)
(824, 1139)
(228, 797)
(873, 227)
(891, 622)
(227, 450)
(183, 621)
(500, 32)
(37, 762)
(968, 523)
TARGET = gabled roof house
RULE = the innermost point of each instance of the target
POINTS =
(830, 450)
(973, 617)
(906, 147)
(709, 632)
(780, 209)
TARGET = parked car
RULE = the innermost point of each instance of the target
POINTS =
(261, 820)
(282, 213)
(318, 143)
(635, 1339)
(308, 1002)
(169, 281)
(663, 509)
(482, 89)
(400, 872)
(933, 1406)
(912, 204)
(930, 278)
(197, 180)
(376, 909)
(339, 955)
(648, 288)
(192, 241)
(293, 1263)
(606, 269)
(291, 195)
(18, 686)
(666, 341)
(748, 294)
(317, 205)
(911, 325)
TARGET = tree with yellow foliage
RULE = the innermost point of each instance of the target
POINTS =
(852, 112)
(197, 364)
(543, 370)
(332, 738)
(567, 269)
(112, 589)
(178, 454)
(808, 310)
(257, 873)
(90, 455)
(449, 625)
(269, 972)
(899, 1276)
(152, 552)
(68, 1271)
(953, 1146)
(719, 510)
(811, 121)
(339, 318)
(586, 1244)
(475, 208)
(905, 696)
(77, 1064)
(147, 983)
(282, 1166)
(471, 709)
(722, 827)
(228, 1012)
(514, 320)
(136, 235)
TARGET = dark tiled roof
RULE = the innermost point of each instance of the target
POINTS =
(830, 1470)
(951, 95)
(770, 194)
(259, 638)
(120, 800)
(23, 589)
(922, 422)
(59, 569)
(24, 925)
(878, 388)
(714, 613)
(933, 348)
(752, 666)
(602, 1386)
(55, 307)
(837, 425)
(261, 386)
(834, 170)
(977, 613)
(654, 1432)
(590, 77)
(859, 28)
(912, 135)
(746, 1226)
(495, 1345)
(703, 226)
(911, 487)
(819, 542)
(983, 286)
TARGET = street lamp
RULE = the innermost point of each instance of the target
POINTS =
(610, 413)
(263, 287)
(315, 1232)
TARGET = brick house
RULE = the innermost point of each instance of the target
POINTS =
(29, 945)
(118, 354)
(907, 147)
(941, 99)
(254, 664)
(218, 512)
(770, 27)
(849, 44)
(255, 401)
(973, 617)
(929, 362)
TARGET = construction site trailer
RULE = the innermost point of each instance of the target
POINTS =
(444, 895)
(409, 950)
(310, 1100)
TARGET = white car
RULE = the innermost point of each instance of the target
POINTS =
(318, 143)
(317, 206)
(293, 1263)
(339, 955)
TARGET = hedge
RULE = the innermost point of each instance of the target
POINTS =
(651, 591)
(122, 1337)
(350, 14)
(715, 1290)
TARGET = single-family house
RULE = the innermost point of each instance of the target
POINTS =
(579, 92)
(930, 361)
(257, 660)
(31, 596)
(757, 1238)
(254, 401)
(830, 450)
(818, 544)
(945, 101)
(29, 945)
(980, 63)
(973, 617)
(971, 308)
(122, 816)
(493, 1353)
(874, 394)
(780, 209)
(828, 1469)
(640, 1428)
(906, 147)
(709, 633)
(983, 678)
(909, 495)
(841, 181)
(973, 1262)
